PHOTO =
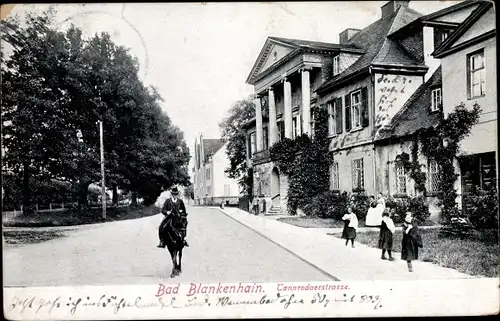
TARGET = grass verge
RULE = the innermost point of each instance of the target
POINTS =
(73, 217)
(475, 255)
(312, 222)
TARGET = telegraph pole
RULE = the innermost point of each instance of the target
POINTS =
(103, 185)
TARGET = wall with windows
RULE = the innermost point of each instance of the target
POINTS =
(351, 114)
(222, 185)
(471, 77)
(393, 180)
(353, 169)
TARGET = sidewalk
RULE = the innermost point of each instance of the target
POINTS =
(330, 254)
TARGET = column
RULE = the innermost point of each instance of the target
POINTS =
(258, 123)
(306, 102)
(273, 126)
(287, 112)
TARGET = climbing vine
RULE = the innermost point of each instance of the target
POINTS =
(413, 167)
(306, 162)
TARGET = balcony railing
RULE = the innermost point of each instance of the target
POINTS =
(261, 156)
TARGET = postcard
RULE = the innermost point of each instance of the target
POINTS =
(249, 160)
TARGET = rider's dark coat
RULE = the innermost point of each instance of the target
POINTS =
(177, 207)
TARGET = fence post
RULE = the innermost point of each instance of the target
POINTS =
(50, 206)
(62, 205)
(36, 207)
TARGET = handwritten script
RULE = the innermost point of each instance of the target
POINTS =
(117, 303)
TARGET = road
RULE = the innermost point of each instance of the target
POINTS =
(221, 250)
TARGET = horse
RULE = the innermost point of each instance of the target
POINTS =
(173, 235)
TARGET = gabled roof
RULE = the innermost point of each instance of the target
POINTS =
(297, 47)
(415, 113)
(445, 47)
(432, 16)
(211, 146)
(379, 49)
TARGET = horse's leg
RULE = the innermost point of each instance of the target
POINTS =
(180, 260)
(173, 254)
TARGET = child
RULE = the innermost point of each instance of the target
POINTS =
(387, 230)
(411, 241)
(351, 224)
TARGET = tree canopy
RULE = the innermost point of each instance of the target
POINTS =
(56, 85)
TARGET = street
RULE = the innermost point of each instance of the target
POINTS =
(221, 250)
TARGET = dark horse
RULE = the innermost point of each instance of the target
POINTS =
(173, 235)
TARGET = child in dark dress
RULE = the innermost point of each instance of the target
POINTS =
(387, 230)
(350, 226)
(411, 241)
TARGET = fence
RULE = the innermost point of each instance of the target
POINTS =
(53, 207)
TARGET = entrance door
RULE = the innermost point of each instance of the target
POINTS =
(275, 187)
(477, 171)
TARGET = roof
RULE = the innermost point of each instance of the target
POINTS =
(415, 113)
(298, 46)
(378, 48)
(212, 146)
(431, 16)
(445, 47)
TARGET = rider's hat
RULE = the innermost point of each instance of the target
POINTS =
(174, 191)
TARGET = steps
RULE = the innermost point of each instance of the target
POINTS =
(274, 210)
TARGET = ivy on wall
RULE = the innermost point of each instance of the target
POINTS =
(441, 143)
(306, 162)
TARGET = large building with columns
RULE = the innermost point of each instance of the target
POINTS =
(363, 81)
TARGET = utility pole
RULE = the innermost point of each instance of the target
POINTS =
(103, 185)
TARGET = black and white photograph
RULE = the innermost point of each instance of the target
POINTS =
(249, 159)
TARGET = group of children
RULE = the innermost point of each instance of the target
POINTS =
(410, 244)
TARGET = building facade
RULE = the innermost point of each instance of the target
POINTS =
(369, 82)
(468, 61)
(211, 185)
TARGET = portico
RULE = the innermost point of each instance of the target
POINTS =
(285, 76)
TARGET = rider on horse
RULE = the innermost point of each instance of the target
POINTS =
(175, 206)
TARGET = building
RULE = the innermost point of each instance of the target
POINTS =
(468, 59)
(365, 81)
(212, 186)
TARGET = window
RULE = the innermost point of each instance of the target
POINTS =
(208, 190)
(253, 144)
(335, 176)
(331, 118)
(296, 126)
(440, 36)
(356, 109)
(336, 65)
(207, 176)
(358, 179)
(400, 179)
(281, 130)
(433, 176)
(436, 99)
(265, 138)
(476, 74)
(313, 126)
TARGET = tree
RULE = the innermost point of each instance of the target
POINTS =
(56, 86)
(232, 131)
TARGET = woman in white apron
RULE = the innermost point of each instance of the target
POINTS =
(374, 215)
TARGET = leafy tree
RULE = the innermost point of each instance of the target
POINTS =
(232, 131)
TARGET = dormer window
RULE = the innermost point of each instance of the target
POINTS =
(436, 99)
(440, 36)
(336, 65)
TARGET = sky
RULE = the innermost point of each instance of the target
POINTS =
(199, 55)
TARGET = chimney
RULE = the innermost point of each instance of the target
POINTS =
(347, 34)
(392, 6)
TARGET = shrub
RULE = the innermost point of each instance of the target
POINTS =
(416, 205)
(359, 202)
(329, 204)
(482, 208)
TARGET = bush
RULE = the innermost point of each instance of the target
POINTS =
(482, 209)
(416, 205)
(360, 203)
(329, 204)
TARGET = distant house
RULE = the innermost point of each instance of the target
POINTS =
(468, 59)
(212, 186)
